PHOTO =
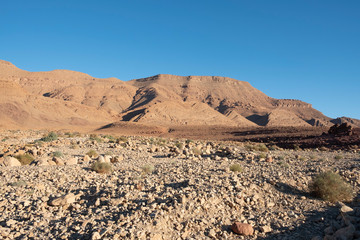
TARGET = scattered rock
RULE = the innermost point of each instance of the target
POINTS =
(269, 159)
(242, 228)
(58, 161)
(266, 229)
(86, 158)
(346, 233)
(343, 129)
(64, 200)
(344, 208)
(11, 162)
(71, 161)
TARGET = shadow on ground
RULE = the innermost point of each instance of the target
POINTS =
(313, 226)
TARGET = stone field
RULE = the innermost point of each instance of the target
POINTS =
(168, 189)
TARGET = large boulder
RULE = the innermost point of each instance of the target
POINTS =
(11, 162)
(242, 228)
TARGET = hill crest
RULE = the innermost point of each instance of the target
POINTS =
(161, 100)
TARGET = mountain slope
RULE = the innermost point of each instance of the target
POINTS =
(237, 100)
(69, 98)
(21, 109)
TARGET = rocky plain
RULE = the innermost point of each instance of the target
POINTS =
(163, 188)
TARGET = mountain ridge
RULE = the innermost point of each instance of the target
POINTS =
(160, 100)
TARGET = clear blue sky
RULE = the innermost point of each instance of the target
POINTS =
(301, 49)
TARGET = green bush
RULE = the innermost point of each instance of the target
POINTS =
(50, 137)
(331, 187)
(236, 168)
(101, 167)
(25, 159)
(92, 153)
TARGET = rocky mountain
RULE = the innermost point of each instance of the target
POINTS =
(63, 98)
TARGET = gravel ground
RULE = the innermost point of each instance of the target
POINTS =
(168, 189)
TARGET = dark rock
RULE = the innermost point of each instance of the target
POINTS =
(341, 130)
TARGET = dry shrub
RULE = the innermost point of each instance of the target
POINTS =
(92, 153)
(331, 187)
(257, 147)
(52, 136)
(196, 151)
(25, 159)
(338, 157)
(236, 168)
(122, 139)
(101, 167)
(57, 154)
(147, 169)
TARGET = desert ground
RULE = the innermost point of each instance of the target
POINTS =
(170, 157)
(169, 188)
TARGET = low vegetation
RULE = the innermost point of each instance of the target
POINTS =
(158, 141)
(262, 155)
(94, 137)
(296, 147)
(179, 145)
(122, 139)
(92, 153)
(196, 151)
(338, 157)
(57, 154)
(72, 134)
(20, 183)
(25, 159)
(147, 169)
(52, 136)
(283, 164)
(101, 167)
(236, 168)
(110, 138)
(330, 186)
(257, 147)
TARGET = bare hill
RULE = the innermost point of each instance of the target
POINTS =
(67, 98)
(21, 109)
(237, 100)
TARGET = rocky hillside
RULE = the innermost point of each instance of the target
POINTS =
(63, 98)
